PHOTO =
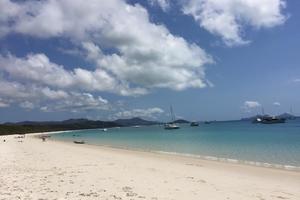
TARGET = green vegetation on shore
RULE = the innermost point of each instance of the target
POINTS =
(8, 129)
(71, 124)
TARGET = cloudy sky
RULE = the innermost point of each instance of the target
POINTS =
(99, 59)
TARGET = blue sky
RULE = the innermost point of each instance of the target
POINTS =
(119, 59)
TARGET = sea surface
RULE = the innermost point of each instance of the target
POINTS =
(269, 145)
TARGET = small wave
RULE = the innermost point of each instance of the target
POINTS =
(211, 158)
(234, 161)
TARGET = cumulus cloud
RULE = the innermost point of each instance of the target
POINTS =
(37, 68)
(3, 104)
(30, 96)
(146, 113)
(13, 90)
(163, 4)
(143, 54)
(251, 104)
(78, 102)
(54, 94)
(276, 104)
(27, 105)
(227, 18)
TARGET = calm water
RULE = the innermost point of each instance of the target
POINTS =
(244, 141)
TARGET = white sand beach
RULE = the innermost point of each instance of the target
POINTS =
(33, 169)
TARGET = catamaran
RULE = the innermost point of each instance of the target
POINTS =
(267, 119)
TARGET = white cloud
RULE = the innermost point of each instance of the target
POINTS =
(276, 104)
(251, 104)
(155, 69)
(227, 18)
(37, 68)
(145, 54)
(163, 4)
(248, 106)
(78, 102)
(3, 104)
(13, 90)
(27, 105)
(45, 109)
(54, 94)
(147, 113)
(29, 96)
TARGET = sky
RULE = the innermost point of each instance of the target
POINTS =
(103, 60)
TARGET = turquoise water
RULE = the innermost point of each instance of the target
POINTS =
(238, 140)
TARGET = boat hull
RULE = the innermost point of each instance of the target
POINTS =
(171, 126)
(277, 121)
(79, 142)
(269, 120)
(194, 124)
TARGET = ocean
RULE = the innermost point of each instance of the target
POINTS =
(269, 145)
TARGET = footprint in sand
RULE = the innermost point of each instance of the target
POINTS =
(116, 197)
(126, 189)
(202, 181)
(190, 177)
(281, 197)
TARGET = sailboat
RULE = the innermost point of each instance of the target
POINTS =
(171, 125)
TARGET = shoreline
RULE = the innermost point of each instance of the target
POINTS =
(175, 155)
(33, 169)
(187, 155)
(200, 158)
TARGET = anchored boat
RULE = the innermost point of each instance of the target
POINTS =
(171, 125)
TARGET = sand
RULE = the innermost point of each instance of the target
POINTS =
(33, 169)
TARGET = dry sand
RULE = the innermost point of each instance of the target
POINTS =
(33, 169)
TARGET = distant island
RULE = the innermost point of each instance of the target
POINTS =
(181, 121)
(70, 124)
(135, 121)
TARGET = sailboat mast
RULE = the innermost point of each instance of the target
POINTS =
(172, 114)
(291, 110)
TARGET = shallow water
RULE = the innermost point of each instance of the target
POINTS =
(239, 140)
